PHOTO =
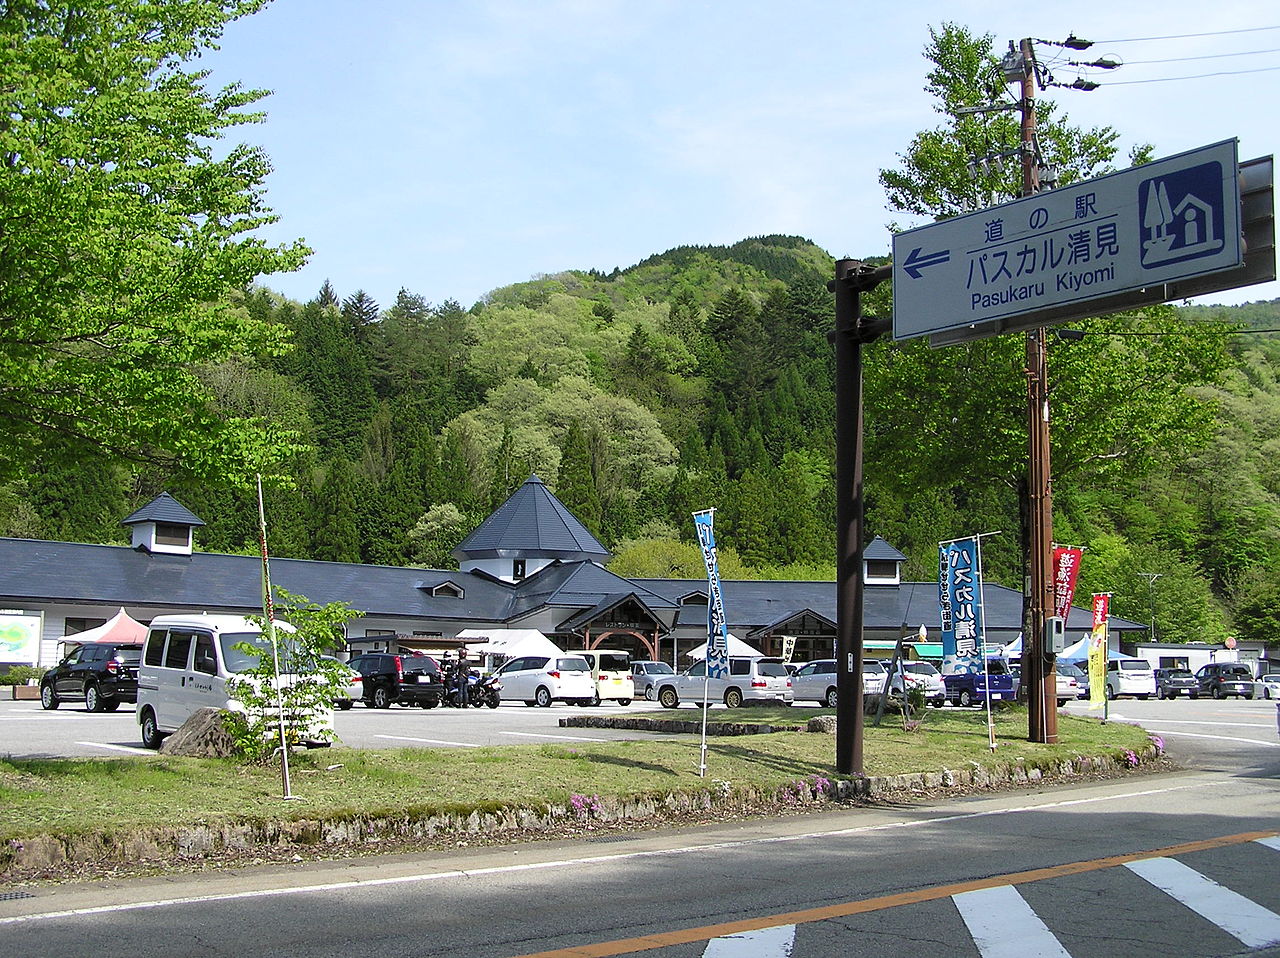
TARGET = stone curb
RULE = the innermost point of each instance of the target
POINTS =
(200, 841)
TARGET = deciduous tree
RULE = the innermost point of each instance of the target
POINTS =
(123, 225)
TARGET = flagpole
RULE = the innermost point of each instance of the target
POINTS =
(986, 669)
(268, 609)
(717, 649)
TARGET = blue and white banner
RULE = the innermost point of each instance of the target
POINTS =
(717, 630)
(960, 601)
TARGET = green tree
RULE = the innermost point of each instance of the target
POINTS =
(335, 534)
(121, 233)
(952, 418)
(576, 484)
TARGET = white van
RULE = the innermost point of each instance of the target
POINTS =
(186, 662)
(1130, 677)
(611, 672)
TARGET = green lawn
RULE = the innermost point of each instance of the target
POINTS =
(73, 796)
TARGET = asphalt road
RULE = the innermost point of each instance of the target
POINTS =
(1182, 864)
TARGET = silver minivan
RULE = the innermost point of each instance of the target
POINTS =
(749, 680)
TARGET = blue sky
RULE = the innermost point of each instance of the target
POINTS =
(455, 147)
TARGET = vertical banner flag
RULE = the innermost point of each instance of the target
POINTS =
(1098, 651)
(717, 630)
(1066, 566)
(960, 601)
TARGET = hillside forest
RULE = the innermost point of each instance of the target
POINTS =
(703, 377)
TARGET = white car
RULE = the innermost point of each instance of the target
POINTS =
(542, 679)
(1270, 685)
(924, 675)
(354, 687)
(1130, 677)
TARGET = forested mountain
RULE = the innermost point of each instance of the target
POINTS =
(703, 377)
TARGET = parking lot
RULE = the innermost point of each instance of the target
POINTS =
(1197, 729)
(28, 731)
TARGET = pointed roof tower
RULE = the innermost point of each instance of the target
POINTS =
(534, 525)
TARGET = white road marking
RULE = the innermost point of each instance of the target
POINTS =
(1003, 925)
(119, 748)
(571, 738)
(1246, 920)
(1215, 724)
(1272, 842)
(766, 943)
(1221, 738)
(588, 860)
(426, 741)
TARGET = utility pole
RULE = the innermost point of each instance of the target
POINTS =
(1042, 693)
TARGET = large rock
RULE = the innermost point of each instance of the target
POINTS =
(201, 736)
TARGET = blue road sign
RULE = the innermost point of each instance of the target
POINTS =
(1165, 221)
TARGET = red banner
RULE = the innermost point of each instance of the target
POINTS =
(1066, 566)
(1101, 605)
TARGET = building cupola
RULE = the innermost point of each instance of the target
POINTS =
(163, 525)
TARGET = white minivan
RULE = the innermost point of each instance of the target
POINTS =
(186, 662)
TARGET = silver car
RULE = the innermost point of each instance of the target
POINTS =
(645, 675)
(816, 681)
(749, 680)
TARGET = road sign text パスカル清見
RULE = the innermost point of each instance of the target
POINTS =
(1167, 220)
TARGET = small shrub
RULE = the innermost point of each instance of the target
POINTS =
(21, 674)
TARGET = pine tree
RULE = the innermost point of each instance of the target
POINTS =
(576, 487)
(335, 535)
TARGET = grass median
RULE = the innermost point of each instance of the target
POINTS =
(79, 796)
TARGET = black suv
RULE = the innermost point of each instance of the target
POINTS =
(403, 679)
(1221, 679)
(102, 674)
(1170, 683)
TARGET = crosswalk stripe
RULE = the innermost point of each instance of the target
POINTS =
(1003, 925)
(1246, 920)
(772, 942)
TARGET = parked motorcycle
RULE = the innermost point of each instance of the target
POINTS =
(481, 690)
(485, 690)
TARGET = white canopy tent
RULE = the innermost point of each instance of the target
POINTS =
(496, 646)
(736, 647)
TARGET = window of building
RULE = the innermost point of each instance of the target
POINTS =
(74, 625)
(517, 569)
(168, 534)
(882, 569)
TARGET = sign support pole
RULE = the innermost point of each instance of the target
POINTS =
(853, 278)
(1042, 713)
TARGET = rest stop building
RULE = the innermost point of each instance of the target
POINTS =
(530, 565)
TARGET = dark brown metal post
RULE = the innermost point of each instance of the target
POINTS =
(852, 279)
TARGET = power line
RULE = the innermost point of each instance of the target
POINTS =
(1207, 56)
(1198, 76)
(1188, 36)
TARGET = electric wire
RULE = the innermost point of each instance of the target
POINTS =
(1198, 76)
(1207, 56)
(1188, 36)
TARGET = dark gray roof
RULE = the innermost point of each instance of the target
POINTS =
(580, 584)
(37, 570)
(753, 605)
(580, 620)
(164, 508)
(880, 550)
(532, 522)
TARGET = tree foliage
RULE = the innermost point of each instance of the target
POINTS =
(122, 230)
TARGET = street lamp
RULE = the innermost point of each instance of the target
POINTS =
(1151, 592)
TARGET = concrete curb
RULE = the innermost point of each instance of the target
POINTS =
(49, 852)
